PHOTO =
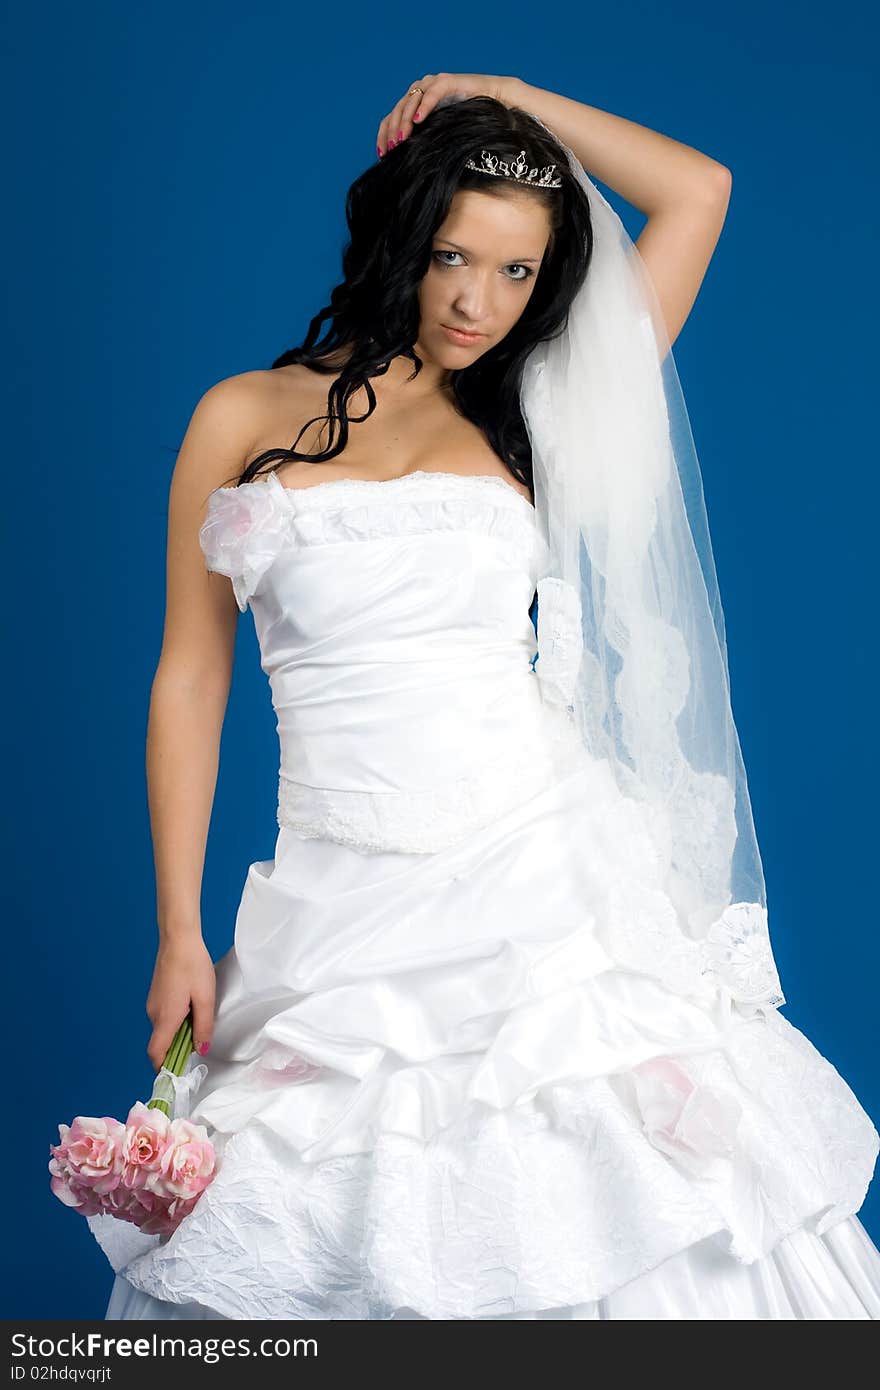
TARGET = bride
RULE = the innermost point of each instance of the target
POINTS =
(498, 1035)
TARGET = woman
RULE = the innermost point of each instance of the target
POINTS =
(498, 1035)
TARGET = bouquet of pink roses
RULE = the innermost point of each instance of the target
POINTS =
(151, 1170)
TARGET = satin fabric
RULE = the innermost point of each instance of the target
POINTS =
(490, 1079)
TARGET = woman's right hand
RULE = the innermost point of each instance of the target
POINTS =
(184, 978)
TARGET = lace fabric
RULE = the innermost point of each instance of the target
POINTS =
(556, 1200)
(425, 821)
(560, 649)
(247, 527)
(738, 953)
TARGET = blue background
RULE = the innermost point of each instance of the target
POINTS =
(174, 216)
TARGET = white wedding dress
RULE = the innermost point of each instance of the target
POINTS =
(465, 1063)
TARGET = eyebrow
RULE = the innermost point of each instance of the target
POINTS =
(516, 260)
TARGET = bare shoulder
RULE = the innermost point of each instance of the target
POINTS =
(237, 402)
(227, 420)
(249, 395)
(298, 382)
(291, 398)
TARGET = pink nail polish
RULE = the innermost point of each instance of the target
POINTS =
(417, 116)
(203, 1049)
(391, 144)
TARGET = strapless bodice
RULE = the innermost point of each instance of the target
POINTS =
(393, 624)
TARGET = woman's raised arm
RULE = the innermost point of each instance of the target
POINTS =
(683, 192)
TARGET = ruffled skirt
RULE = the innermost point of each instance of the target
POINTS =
(805, 1276)
(494, 1082)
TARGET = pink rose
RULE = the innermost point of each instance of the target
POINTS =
(89, 1155)
(166, 1218)
(87, 1201)
(149, 1171)
(74, 1194)
(155, 1225)
(187, 1165)
(147, 1210)
(120, 1203)
(147, 1133)
(144, 1199)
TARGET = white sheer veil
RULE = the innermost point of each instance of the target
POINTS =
(630, 606)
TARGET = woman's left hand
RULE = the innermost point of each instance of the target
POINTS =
(398, 124)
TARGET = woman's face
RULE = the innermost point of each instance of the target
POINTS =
(484, 264)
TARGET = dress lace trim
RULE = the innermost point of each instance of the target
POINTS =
(560, 644)
(434, 818)
(247, 527)
(737, 952)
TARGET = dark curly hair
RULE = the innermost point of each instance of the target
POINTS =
(393, 211)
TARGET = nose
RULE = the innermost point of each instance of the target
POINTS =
(473, 301)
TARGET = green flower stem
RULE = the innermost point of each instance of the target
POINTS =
(180, 1048)
(175, 1061)
(171, 1056)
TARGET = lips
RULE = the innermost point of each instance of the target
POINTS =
(463, 333)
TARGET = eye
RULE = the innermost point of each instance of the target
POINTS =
(527, 272)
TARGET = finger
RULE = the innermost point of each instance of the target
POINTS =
(161, 1040)
(410, 104)
(203, 1023)
(391, 128)
(383, 135)
(435, 86)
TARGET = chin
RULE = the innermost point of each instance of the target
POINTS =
(453, 353)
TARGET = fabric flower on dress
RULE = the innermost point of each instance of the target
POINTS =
(243, 532)
(692, 1123)
(280, 1065)
(560, 643)
(737, 950)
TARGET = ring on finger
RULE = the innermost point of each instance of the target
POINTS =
(415, 91)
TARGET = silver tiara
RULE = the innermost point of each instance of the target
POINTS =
(516, 169)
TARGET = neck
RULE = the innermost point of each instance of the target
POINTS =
(394, 384)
